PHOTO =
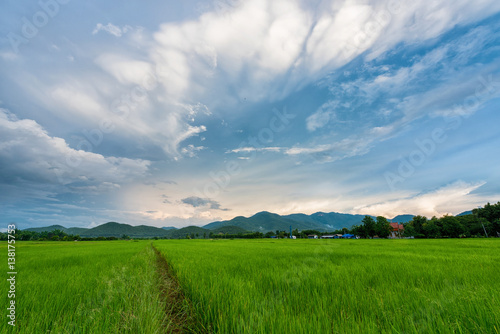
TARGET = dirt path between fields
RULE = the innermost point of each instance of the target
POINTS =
(179, 310)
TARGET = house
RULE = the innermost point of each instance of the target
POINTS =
(328, 236)
(312, 236)
(397, 230)
(348, 236)
(337, 236)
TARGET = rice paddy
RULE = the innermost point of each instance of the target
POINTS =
(259, 286)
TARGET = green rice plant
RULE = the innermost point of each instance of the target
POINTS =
(340, 286)
(257, 286)
(86, 287)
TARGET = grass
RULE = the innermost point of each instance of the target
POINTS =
(79, 287)
(341, 286)
(257, 286)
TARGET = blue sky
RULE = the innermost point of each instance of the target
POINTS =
(176, 114)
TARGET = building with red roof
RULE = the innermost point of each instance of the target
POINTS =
(397, 230)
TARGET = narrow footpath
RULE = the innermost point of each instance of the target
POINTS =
(180, 315)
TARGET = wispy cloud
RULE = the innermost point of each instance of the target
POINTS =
(250, 149)
(449, 199)
(111, 29)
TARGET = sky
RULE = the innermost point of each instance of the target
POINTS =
(177, 113)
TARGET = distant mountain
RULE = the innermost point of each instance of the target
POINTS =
(76, 230)
(329, 221)
(402, 219)
(229, 230)
(185, 231)
(47, 228)
(111, 229)
(262, 222)
(267, 221)
(465, 213)
(114, 229)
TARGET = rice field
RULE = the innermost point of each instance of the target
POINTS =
(85, 287)
(259, 286)
(341, 286)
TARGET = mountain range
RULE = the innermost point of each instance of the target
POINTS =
(261, 222)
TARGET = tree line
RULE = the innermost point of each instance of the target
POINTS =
(55, 235)
(483, 222)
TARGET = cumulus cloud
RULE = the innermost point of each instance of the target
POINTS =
(29, 154)
(197, 202)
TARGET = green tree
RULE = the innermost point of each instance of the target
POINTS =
(359, 230)
(495, 228)
(382, 227)
(369, 226)
(409, 230)
(432, 228)
(490, 212)
(451, 227)
(269, 234)
(418, 225)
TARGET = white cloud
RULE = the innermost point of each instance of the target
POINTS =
(345, 148)
(111, 29)
(250, 149)
(321, 117)
(449, 199)
(126, 70)
(29, 154)
(266, 49)
(191, 150)
(76, 100)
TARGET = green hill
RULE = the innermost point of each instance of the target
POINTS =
(229, 230)
(114, 229)
(76, 230)
(266, 221)
(47, 228)
(187, 231)
(465, 213)
(402, 219)
(328, 221)
(263, 222)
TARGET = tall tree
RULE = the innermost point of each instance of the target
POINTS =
(451, 227)
(418, 225)
(383, 227)
(359, 230)
(432, 228)
(369, 226)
